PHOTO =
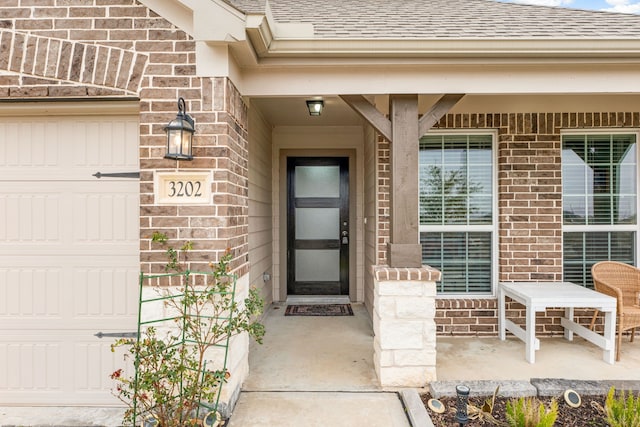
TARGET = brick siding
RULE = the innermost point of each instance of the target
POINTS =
(529, 209)
(119, 49)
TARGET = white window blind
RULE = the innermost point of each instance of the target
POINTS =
(457, 210)
(600, 204)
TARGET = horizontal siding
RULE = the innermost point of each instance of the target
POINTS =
(260, 205)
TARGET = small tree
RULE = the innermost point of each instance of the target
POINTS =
(172, 382)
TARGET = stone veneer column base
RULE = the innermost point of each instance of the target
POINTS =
(404, 325)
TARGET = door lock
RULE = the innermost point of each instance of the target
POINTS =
(345, 237)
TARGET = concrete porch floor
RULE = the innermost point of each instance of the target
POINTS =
(316, 371)
(492, 359)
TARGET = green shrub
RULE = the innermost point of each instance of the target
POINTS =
(172, 386)
(622, 410)
(530, 412)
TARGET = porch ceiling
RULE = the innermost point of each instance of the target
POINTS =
(292, 111)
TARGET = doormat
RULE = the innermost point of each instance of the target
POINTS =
(319, 310)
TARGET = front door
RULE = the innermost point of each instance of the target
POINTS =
(318, 226)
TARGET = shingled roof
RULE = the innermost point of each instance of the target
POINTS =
(445, 19)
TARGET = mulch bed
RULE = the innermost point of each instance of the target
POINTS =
(584, 416)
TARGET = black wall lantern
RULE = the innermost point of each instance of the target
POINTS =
(180, 134)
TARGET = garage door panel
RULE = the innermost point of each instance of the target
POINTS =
(113, 250)
(105, 217)
(30, 292)
(47, 144)
(25, 143)
(38, 366)
(69, 255)
(61, 296)
(29, 216)
(105, 293)
(30, 363)
(67, 211)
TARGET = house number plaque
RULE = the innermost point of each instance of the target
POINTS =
(177, 188)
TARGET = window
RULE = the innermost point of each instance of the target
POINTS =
(457, 230)
(600, 203)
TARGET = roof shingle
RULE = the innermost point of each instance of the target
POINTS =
(445, 19)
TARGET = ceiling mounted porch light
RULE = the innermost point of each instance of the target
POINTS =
(315, 106)
(180, 134)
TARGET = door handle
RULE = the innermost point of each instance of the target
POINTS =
(345, 237)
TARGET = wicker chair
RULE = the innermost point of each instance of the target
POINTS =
(621, 281)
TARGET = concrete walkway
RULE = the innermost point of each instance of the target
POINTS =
(318, 409)
(316, 371)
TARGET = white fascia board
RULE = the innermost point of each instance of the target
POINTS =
(259, 34)
(276, 41)
(469, 79)
(208, 20)
(215, 59)
(288, 30)
(454, 48)
(263, 31)
(215, 20)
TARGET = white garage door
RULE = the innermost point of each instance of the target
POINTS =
(68, 255)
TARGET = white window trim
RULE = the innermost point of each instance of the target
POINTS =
(595, 228)
(495, 252)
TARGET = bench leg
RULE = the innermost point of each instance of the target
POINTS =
(611, 349)
(568, 333)
(530, 343)
(501, 315)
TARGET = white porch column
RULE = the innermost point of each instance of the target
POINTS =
(404, 325)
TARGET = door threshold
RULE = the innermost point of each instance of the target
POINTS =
(317, 299)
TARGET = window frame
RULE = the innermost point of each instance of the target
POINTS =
(492, 228)
(595, 228)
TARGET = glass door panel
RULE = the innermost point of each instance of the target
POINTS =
(318, 226)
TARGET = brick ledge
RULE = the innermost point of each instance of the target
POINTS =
(423, 274)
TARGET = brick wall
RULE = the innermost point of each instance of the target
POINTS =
(529, 209)
(119, 49)
(479, 317)
(384, 199)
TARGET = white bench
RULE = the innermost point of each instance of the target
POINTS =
(538, 296)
